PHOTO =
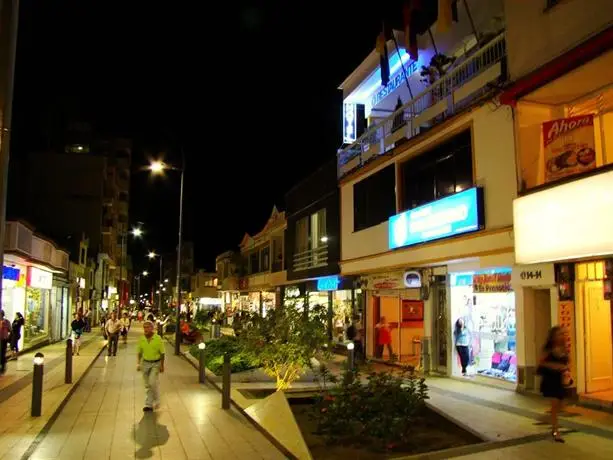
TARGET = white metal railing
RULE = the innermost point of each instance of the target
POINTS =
(311, 258)
(455, 90)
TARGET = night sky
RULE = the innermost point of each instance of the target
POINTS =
(247, 89)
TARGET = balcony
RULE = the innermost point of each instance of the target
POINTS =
(464, 84)
(312, 258)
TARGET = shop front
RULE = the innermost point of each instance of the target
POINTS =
(569, 225)
(484, 302)
(14, 291)
(38, 306)
(395, 316)
(337, 294)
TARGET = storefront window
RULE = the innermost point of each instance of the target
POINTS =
(342, 312)
(486, 304)
(268, 302)
(293, 297)
(37, 315)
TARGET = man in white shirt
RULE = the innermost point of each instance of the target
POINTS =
(113, 327)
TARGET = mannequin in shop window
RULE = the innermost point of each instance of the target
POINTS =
(384, 338)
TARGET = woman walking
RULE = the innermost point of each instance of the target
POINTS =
(461, 337)
(18, 323)
(384, 338)
(555, 376)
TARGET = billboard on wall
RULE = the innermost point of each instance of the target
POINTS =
(450, 216)
(569, 146)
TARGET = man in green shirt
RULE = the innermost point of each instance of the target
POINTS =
(150, 351)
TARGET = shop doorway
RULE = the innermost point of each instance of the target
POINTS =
(441, 326)
(597, 327)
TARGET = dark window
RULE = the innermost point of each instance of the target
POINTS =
(374, 199)
(440, 172)
(552, 3)
(265, 259)
(254, 262)
(82, 257)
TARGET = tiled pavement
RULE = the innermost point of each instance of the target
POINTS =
(17, 428)
(104, 418)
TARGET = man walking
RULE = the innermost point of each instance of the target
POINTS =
(113, 328)
(150, 350)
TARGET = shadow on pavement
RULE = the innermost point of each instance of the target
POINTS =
(149, 434)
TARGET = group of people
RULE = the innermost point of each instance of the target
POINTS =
(10, 334)
(113, 328)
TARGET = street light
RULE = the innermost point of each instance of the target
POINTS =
(145, 273)
(137, 232)
(158, 167)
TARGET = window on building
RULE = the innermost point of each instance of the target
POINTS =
(552, 3)
(374, 199)
(302, 235)
(266, 259)
(254, 262)
(440, 172)
(82, 257)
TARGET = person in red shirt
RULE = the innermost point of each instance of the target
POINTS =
(384, 338)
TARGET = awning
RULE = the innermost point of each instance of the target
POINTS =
(585, 52)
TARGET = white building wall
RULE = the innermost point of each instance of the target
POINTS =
(494, 169)
(536, 36)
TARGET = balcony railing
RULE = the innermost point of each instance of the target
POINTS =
(457, 89)
(312, 258)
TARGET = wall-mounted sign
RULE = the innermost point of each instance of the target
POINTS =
(454, 215)
(533, 275)
(328, 283)
(10, 273)
(349, 123)
(393, 280)
(492, 282)
(40, 279)
(394, 83)
(565, 222)
(412, 310)
(412, 279)
(569, 146)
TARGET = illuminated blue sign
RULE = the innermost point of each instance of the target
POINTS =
(10, 273)
(328, 283)
(450, 216)
(394, 83)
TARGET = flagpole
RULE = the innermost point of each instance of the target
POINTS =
(472, 23)
(406, 79)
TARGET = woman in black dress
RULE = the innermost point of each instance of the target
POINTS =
(18, 323)
(553, 368)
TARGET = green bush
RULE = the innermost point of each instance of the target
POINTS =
(240, 360)
(379, 412)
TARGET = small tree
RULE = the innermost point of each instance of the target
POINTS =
(286, 340)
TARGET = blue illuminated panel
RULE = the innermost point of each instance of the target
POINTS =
(328, 283)
(450, 216)
(10, 273)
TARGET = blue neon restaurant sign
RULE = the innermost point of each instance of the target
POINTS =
(453, 215)
(328, 283)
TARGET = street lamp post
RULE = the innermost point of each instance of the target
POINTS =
(158, 167)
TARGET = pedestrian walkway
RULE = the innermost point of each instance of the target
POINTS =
(18, 429)
(104, 419)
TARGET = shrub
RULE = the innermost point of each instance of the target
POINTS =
(216, 348)
(380, 411)
(285, 341)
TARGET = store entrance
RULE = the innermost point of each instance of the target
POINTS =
(597, 327)
(440, 327)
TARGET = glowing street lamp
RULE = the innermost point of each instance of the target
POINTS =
(157, 167)
(145, 273)
(137, 232)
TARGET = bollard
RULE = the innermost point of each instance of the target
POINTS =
(202, 366)
(68, 370)
(350, 361)
(225, 390)
(37, 385)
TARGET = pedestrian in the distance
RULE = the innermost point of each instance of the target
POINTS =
(18, 323)
(113, 329)
(5, 336)
(555, 375)
(77, 326)
(150, 359)
(125, 327)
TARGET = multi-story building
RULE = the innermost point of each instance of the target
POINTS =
(251, 279)
(560, 56)
(35, 275)
(204, 290)
(426, 195)
(83, 188)
(312, 249)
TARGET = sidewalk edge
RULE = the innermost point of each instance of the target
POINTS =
(257, 426)
(43, 432)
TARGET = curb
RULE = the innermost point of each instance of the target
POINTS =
(257, 426)
(43, 432)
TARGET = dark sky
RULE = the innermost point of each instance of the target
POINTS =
(248, 89)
